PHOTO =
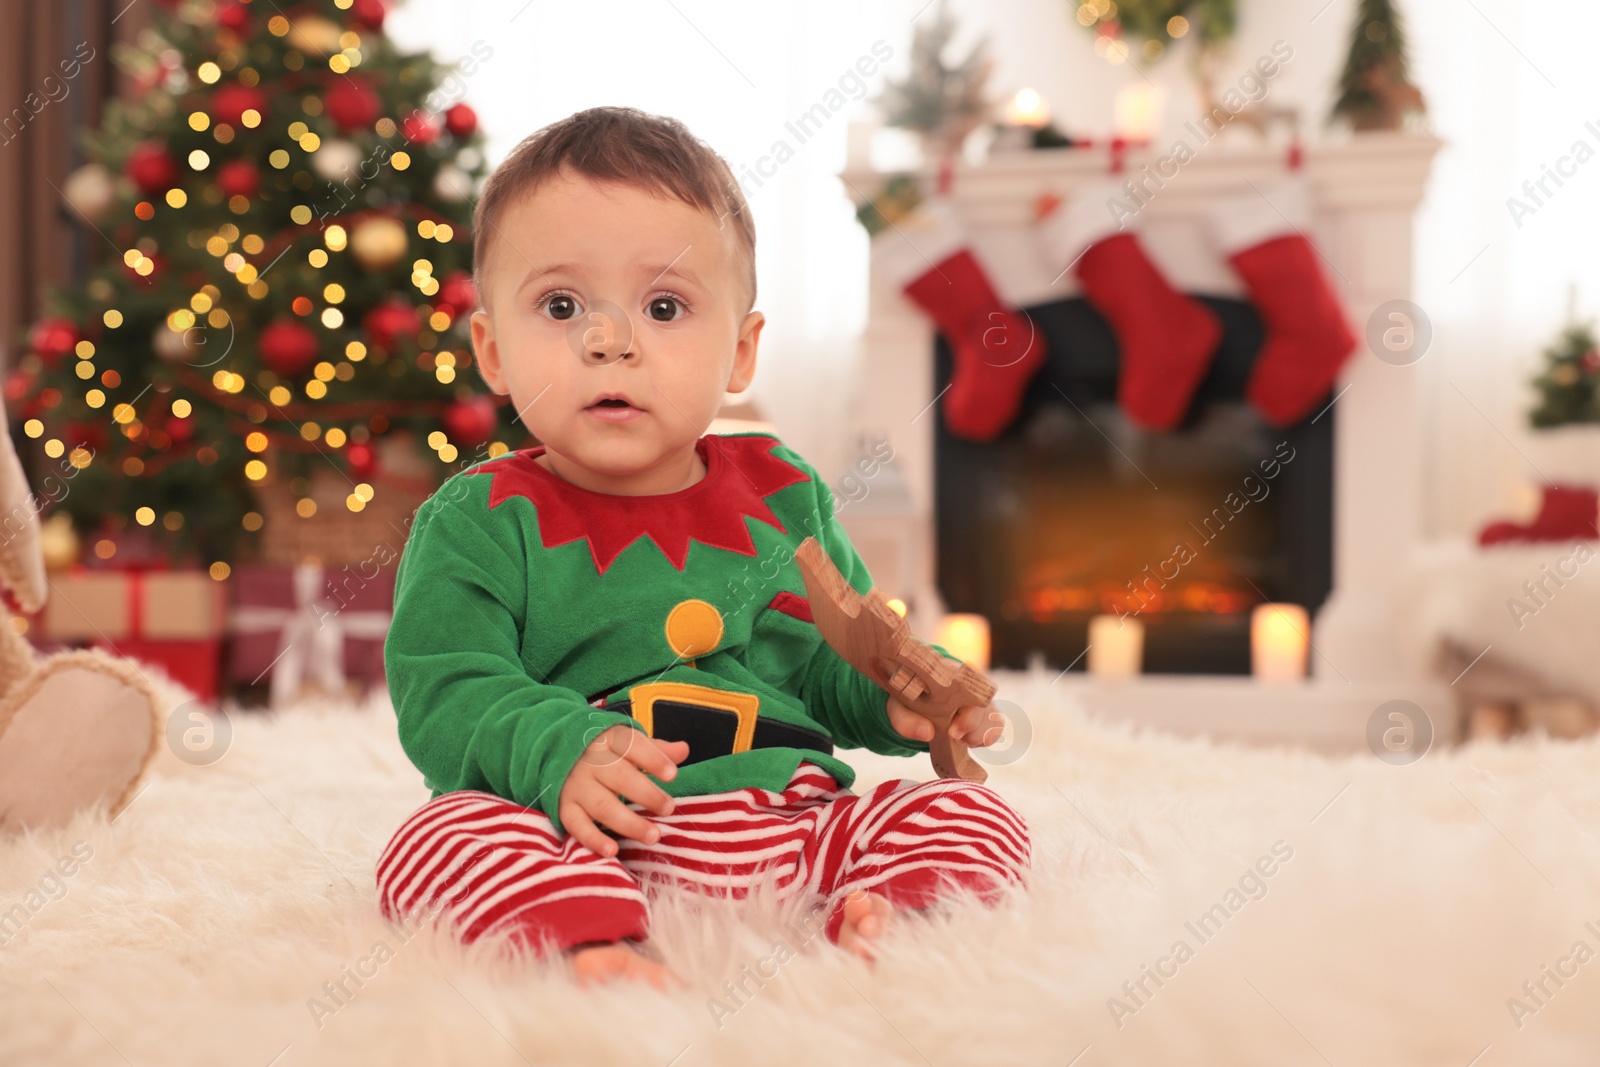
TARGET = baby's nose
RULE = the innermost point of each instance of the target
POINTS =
(603, 335)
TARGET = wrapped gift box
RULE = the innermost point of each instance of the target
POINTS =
(170, 618)
(294, 626)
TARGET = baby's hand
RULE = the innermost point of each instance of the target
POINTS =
(614, 763)
(974, 726)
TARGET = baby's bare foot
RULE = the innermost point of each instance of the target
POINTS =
(610, 961)
(866, 916)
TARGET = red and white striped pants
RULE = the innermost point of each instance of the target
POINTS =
(491, 865)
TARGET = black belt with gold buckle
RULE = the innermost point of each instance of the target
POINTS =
(715, 722)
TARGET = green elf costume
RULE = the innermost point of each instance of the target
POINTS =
(531, 614)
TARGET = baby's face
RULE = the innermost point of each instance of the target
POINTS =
(606, 291)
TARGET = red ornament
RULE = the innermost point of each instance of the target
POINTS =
(1591, 360)
(229, 103)
(471, 422)
(461, 121)
(352, 103)
(288, 348)
(234, 16)
(457, 294)
(180, 430)
(391, 320)
(151, 168)
(419, 127)
(369, 13)
(19, 384)
(239, 177)
(89, 433)
(22, 395)
(363, 460)
(53, 339)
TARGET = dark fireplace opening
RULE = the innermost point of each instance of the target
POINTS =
(1074, 512)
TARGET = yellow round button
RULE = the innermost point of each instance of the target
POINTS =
(693, 628)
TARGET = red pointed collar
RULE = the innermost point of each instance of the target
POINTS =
(740, 473)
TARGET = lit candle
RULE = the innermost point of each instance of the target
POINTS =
(966, 637)
(1279, 636)
(1116, 646)
(1027, 108)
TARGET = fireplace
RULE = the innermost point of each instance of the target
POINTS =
(1073, 512)
(990, 528)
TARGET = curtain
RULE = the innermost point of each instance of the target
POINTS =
(1512, 89)
(55, 73)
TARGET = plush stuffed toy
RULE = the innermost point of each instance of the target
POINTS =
(77, 729)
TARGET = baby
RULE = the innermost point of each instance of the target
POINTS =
(602, 658)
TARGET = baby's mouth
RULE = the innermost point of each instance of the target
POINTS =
(614, 409)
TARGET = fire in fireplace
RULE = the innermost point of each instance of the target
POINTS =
(1074, 512)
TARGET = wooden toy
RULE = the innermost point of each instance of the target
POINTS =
(870, 636)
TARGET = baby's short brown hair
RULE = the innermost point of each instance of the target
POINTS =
(621, 144)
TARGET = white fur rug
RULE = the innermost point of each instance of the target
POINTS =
(1414, 903)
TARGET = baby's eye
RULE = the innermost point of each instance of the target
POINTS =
(666, 308)
(560, 307)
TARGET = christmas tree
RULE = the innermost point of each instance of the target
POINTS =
(289, 199)
(1567, 384)
(1374, 90)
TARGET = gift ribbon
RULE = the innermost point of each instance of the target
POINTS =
(311, 635)
(136, 604)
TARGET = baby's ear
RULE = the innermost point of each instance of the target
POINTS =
(486, 353)
(744, 352)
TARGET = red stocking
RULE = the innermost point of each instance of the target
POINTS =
(996, 349)
(1166, 340)
(1568, 513)
(1308, 340)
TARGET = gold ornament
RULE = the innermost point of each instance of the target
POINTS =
(379, 243)
(59, 542)
(89, 191)
(314, 34)
(338, 161)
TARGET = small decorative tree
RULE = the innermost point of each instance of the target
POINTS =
(1567, 384)
(940, 100)
(1374, 93)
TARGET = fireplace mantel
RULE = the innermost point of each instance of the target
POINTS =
(1364, 192)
